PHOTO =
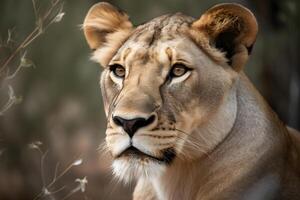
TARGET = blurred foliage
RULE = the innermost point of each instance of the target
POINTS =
(62, 100)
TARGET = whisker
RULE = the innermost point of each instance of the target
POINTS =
(196, 147)
(194, 144)
(203, 149)
(103, 148)
(190, 135)
(158, 136)
(164, 144)
(112, 134)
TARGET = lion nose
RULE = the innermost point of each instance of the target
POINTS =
(132, 125)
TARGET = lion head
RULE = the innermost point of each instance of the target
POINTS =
(168, 84)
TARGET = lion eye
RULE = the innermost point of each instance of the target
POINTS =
(117, 70)
(178, 70)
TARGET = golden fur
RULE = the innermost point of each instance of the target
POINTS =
(207, 134)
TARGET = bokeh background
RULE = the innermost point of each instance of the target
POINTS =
(60, 120)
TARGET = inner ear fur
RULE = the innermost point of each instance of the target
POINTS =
(106, 28)
(231, 28)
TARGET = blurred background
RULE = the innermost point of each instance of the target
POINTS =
(52, 125)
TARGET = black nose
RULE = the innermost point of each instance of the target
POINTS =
(132, 125)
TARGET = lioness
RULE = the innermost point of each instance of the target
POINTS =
(183, 120)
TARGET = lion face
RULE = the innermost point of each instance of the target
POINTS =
(165, 97)
(156, 97)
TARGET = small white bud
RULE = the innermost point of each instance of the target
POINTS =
(82, 183)
(77, 162)
(59, 17)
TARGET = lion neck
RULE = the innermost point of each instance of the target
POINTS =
(250, 136)
(179, 178)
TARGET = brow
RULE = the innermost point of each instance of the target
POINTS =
(125, 54)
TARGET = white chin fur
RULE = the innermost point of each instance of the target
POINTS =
(129, 169)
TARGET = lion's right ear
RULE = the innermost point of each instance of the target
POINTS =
(105, 28)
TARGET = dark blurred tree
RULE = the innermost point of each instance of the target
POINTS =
(279, 22)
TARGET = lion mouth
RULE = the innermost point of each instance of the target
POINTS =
(168, 155)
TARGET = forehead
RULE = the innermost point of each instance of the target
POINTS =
(160, 36)
(166, 27)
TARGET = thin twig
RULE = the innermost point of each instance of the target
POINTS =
(55, 179)
(42, 168)
(10, 58)
(53, 15)
(55, 172)
(77, 189)
(35, 9)
(12, 99)
(33, 35)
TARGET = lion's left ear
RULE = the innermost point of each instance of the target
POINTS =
(230, 28)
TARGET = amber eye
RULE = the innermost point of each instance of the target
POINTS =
(178, 70)
(118, 70)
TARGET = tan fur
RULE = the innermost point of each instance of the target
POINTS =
(232, 18)
(213, 136)
(106, 23)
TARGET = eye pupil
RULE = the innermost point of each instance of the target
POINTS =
(118, 70)
(178, 70)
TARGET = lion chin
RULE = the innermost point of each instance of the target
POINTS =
(130, 168)
(132, 164)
